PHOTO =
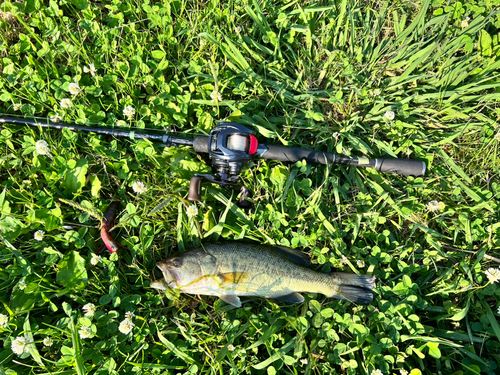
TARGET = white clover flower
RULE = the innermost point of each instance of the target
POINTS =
(192, 211)
(344, 260)
(4, 320)
(48, 341)
(73, 88)
(465, 23)
(22, 284)
(390, 115)
(91, 69)
(21, 345)
(129, 112)
(215, 95)
(129, 315)
(377, 372)
(336, 135)
(42, 147)
(95, 260)
(66, 103)
(376, 92)
(498, 310)
(360, 263)
(433, 206)
(39, 235)
(403, 372)
(55, 118)
(493, 275)
(237, 29)
(126, 326)
(304, 361)
(16, 106)
(89, 309)
(138, 187)
(85, 332)
(231, 347)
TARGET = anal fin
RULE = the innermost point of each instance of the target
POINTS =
(291, 298)
(231, 299)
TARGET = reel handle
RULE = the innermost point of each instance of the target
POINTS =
(195, 188)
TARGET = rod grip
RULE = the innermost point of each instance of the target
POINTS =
(405, 167)
(195, 189)
(293, 154)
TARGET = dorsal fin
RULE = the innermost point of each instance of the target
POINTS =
(294, 255)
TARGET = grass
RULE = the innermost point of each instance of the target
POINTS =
(296, 72)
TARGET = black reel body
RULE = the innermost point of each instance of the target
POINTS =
(230, 147)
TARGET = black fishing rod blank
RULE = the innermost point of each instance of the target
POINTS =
(168, 140)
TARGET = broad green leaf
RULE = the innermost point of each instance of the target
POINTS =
(157, 54)
(74, 180)
(80, 4)
(31, 5)
(72, 273)
(21, 302)
(11, 228)
(485, 43)
(96, 186)
(462, 313)
(434, 349)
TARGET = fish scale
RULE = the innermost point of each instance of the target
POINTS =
(234, 269)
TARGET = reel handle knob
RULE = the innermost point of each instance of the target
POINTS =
(242, 201)
(195, 188)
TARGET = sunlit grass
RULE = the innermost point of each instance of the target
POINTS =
(320, 75)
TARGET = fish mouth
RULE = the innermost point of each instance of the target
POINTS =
(168, 275)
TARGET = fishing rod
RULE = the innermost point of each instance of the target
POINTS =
(230, 146)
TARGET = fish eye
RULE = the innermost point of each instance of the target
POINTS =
(176, 262)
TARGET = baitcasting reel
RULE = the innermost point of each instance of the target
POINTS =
(230, 147)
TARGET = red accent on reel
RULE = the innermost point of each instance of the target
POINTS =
(254, 144)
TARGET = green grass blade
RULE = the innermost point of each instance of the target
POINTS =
(491, 318)
(178, 353)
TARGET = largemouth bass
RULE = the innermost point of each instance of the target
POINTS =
(231, 270)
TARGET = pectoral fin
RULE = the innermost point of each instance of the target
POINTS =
(232, 277)
(231, 300)
(291, 298)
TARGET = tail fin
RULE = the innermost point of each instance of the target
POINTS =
(352, 287)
